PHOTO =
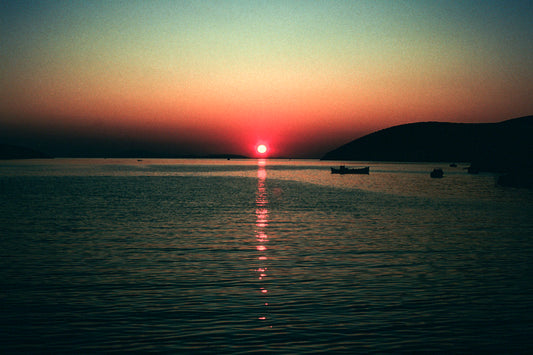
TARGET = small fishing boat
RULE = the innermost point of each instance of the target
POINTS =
(437, 173)
(344, 170)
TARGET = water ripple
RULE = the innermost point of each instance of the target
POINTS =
(265, 262)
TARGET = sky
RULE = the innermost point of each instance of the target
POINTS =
(207, 77)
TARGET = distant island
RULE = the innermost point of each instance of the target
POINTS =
(158, 155)
(488, 146)
(8, 151)
(11, 152)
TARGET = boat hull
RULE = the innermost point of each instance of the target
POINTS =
(343, 170)
(437, 173)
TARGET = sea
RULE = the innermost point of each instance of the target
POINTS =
(261, 256)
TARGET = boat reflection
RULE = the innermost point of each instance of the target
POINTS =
(261, 236)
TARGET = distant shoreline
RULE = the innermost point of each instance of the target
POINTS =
(495, 147)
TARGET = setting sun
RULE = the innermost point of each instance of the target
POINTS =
(262, 149)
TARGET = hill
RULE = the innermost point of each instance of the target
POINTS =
(158, 155)
(488, 146)
(15, 152)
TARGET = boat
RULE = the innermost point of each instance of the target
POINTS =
(453, 165)
(344, 170)
(437, 173)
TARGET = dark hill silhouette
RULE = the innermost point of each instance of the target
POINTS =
(156, 155)
(146, 154)
(488, 146)
(224, 156)
(8, 151)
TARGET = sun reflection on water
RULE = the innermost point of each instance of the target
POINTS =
(261, 213)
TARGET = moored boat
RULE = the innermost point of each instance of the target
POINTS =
(344, 170)
(437, 173)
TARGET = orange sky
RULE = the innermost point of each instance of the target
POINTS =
(220, 77)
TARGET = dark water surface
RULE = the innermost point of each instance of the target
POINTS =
(246, 257)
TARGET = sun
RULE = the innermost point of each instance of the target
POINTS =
(262, 149)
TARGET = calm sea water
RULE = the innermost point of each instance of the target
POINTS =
(216, 256)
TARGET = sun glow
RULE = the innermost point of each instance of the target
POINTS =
(262, 149)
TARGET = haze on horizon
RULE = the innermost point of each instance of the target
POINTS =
(205, 77)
